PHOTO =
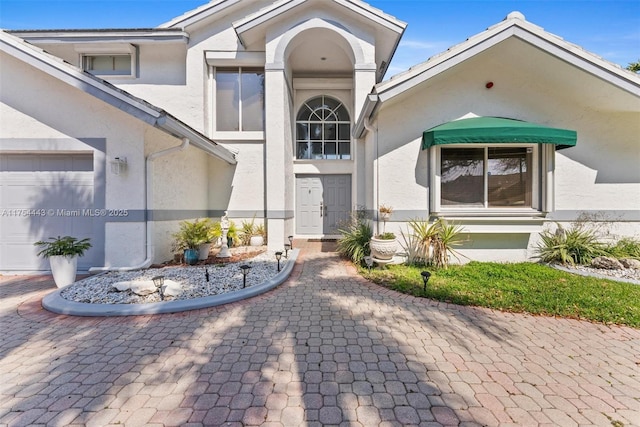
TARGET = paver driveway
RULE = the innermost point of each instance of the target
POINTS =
(326, 348)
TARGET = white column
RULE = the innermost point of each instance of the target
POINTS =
(278, 157)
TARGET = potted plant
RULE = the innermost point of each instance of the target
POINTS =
(385, 215)
(385, 212)
(383, 246)
(63, 253)
(252, 234)
(260, 236)
(232, 233)
(194, 238)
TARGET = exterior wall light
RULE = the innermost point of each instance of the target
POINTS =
(118, 165)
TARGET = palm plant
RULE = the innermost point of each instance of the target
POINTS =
(577, 245)
(354, 242)
(436, 241)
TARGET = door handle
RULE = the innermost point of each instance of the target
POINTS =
(321, 209)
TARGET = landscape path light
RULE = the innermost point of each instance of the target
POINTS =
(290, 241)
(425, 278)
(278, 256)
(287, 247)
(158, 281)
(369, 262)
(245, 270)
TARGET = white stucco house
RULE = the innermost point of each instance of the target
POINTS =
(279, 110)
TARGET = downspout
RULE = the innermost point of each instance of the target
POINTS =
(374, 132)
(148, 204)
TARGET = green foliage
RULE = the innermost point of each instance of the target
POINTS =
(194, 233)
(634, 66)
(434, 243)
(625, 248)
(577, 245)
(522, 288)
(386, 236)
(65, 246)
(354, 242)
(249, 229)
(232, 232)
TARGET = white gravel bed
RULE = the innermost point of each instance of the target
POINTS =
(625, 274)
(223, 278)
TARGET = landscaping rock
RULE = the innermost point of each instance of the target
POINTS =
(606, 263)
(630, 263)
(171, 288)
(141, 287)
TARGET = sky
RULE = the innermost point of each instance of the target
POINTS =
(608, 28)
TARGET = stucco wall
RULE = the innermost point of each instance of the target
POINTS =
(599, 174)
(66, 112)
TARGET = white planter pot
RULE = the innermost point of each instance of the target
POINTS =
(256, 241)
(63, 269)
(203, 251)
(383, 250)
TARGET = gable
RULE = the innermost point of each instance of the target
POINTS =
(520, 51)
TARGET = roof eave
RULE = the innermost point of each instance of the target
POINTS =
(138, 36)
(111, 95)
(198, 14)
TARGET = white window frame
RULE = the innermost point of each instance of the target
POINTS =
(92, 50)
(323, 141)
(228, 60)
(540, 183)
(214, 98)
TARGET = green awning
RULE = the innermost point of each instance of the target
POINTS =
(495, 130)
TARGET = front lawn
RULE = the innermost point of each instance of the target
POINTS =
(522, 288)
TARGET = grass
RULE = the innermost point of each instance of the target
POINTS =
(520, 288)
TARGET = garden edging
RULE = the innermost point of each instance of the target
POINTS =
(56, 304)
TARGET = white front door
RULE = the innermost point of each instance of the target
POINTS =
(323, 203)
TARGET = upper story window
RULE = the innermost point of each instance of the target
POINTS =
(239, 99)
(108, 60)
(108, 65)
(323, 130)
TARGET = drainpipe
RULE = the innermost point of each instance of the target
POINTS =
(374, 131)
(148, 205)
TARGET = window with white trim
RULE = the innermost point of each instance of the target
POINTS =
(117, 60)
(108, 65)
(488, 177)
(239, 99)
(323, 130)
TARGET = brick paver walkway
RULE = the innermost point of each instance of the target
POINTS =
(326, 348)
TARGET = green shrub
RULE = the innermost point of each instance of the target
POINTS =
(625, 248)
(577, 245)
(386, 236)
(354, 243)
(63, 246)
(433, 243)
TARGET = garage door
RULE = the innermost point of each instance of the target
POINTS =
(46, 195)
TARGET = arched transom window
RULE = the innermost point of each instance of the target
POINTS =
(323, 130)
